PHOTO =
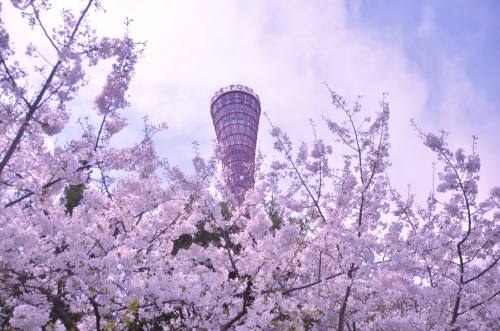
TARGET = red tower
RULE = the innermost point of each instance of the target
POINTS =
(235, 111)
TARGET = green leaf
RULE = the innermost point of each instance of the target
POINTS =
(110, 325)
(133, 306)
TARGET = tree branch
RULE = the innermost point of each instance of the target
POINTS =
(313, 283)
(11, 78)
(95, 307)
(37, 16)
(49, 184)
(238, 316)
(34, 107)
(480, 303)
(228, 248)
(304, 184)
(488, 268)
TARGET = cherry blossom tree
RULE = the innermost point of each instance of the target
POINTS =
(97, 237)
(453, 244)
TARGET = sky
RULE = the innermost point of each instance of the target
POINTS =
(438, 62)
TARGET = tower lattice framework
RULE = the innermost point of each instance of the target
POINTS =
(235, 112)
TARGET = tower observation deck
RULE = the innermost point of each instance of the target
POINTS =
(235, 112)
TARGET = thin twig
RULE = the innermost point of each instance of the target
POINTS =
(37, 16)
